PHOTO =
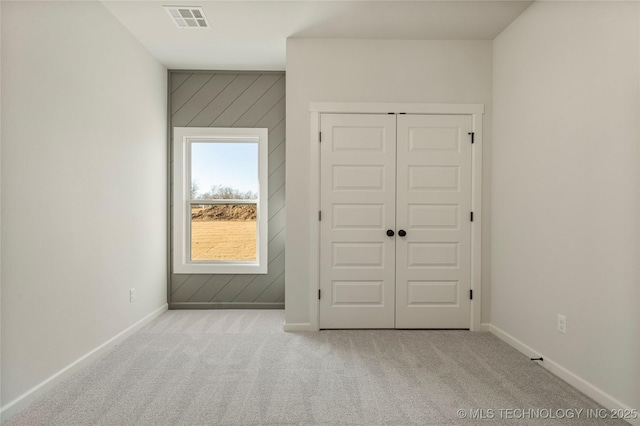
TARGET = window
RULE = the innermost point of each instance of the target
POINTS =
(219, 200)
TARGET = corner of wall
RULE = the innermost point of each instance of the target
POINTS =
(101, 114)
(0, 208)
(23, 401)
(557, 248)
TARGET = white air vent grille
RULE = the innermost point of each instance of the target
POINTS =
(187, 16)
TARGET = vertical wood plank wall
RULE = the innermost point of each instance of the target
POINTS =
(236, 99)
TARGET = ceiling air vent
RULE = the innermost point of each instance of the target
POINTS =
(187, 16)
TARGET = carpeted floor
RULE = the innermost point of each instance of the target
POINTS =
(232, 367)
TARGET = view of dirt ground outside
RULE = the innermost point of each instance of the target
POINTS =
(223, 232)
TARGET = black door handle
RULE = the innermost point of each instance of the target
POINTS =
(402, 232)
(390, 233)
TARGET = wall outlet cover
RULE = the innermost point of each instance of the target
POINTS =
(562, 323)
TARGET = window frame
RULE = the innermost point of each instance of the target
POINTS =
(183, 137)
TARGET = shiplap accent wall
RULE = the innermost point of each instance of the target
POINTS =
(236, 99)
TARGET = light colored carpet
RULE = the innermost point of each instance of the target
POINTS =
(233, 367)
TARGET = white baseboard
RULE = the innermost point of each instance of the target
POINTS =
(305, 326)
(483, 327)
(573, 379)
(298, 326)
(20, 403)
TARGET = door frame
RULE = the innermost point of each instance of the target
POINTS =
(476, 112)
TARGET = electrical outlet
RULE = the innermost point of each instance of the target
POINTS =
(562, 324)
(132, 295)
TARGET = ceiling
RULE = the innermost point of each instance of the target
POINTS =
(251, 35)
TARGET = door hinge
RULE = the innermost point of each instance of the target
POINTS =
(319, 294)
(319, 215)
(320, 137)
(472, 136)
(470, 294)
(471, 216)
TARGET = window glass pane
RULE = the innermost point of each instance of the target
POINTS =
(220, 200)
(223, 232)
(224, 170)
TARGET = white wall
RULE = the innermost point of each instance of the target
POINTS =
(369, 71)
(566, 190)
(0, 215)
(83, 187)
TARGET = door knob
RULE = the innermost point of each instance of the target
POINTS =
(402, 232)
(390, 233)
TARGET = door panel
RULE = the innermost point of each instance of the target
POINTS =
(357, 258)
(357, 293)
(358, 216)
(433, 216)
(368, 255)
(433, 203)
(358, 178)
(431, 255)
(433, 293)
(433, 178)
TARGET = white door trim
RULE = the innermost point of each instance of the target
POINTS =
(474, 110)
(364, 108)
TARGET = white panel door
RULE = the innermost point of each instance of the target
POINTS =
(433, 259)
(357, 199)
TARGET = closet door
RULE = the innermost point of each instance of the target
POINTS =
(357, 199)
(433, 259)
